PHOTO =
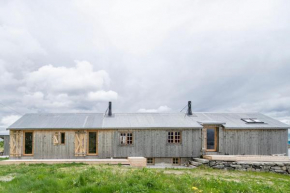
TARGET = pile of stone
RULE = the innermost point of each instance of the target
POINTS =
(276, 167)
(195, 162)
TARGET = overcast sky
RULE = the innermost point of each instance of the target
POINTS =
(145, 56)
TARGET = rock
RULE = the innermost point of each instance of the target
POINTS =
(212, 163)
(195, 163)
(280, 171)
(266, 167)
(279, 164)
(203, 161)
(236, 166)
(191, 167)
(269, 164)
(276, 168)
(218, 166)
(284, 168)
(288, 171)
(257, 164)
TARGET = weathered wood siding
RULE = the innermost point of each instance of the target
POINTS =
(253, 142)
(45, 149)
(146, 143)
(150, 143)
(153, 143)
(6, 145)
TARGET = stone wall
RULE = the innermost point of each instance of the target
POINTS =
(276, 167)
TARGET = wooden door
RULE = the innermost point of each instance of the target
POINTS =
(80, 143)
(15, 143)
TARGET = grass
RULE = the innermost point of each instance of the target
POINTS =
(104, 178)
(1, 146)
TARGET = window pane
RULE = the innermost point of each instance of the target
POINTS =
(176, 161)
(62, 136)
(28, 142)
(210, 138)
(92, 142)
(174, 137)
(129, 138)
(150, 160)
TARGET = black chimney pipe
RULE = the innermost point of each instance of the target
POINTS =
(189, 112)
(110, 109)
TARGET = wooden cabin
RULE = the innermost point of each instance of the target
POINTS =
(168, 138)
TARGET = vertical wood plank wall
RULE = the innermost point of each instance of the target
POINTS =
(147, 143)
(253, 142)
(6, 145)
(153, 143)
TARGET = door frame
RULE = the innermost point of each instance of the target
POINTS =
(215, 138)
(32, 143)
(97, 141)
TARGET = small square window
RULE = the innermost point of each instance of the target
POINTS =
(174, 137)
(176, 161)
(126, 138)
(150, 161)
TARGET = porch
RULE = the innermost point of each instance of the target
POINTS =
(131, 161)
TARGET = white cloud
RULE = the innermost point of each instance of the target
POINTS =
(80, 78)
(158, 110)
(9, 120)
(51, 88)
(102, 95)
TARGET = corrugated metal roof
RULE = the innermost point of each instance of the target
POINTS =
(59, 121)
(233, 120)
(143, 120)
(150, 120)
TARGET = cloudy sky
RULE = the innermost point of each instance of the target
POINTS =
(145, 56)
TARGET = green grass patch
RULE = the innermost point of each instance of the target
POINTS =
(77, 177)
(1, 146)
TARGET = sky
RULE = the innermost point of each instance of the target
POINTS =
(144, 56)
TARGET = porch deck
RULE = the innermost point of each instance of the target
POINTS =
(253, 158)
(132, 161)
(58, 161)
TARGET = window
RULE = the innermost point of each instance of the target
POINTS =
(176, 161)
(59, 138)
(150, 161)
(211, 139)
(252, 120)
(92, 143)
(126, 138)
(62, 138)
(174, 137)
(28, 143)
